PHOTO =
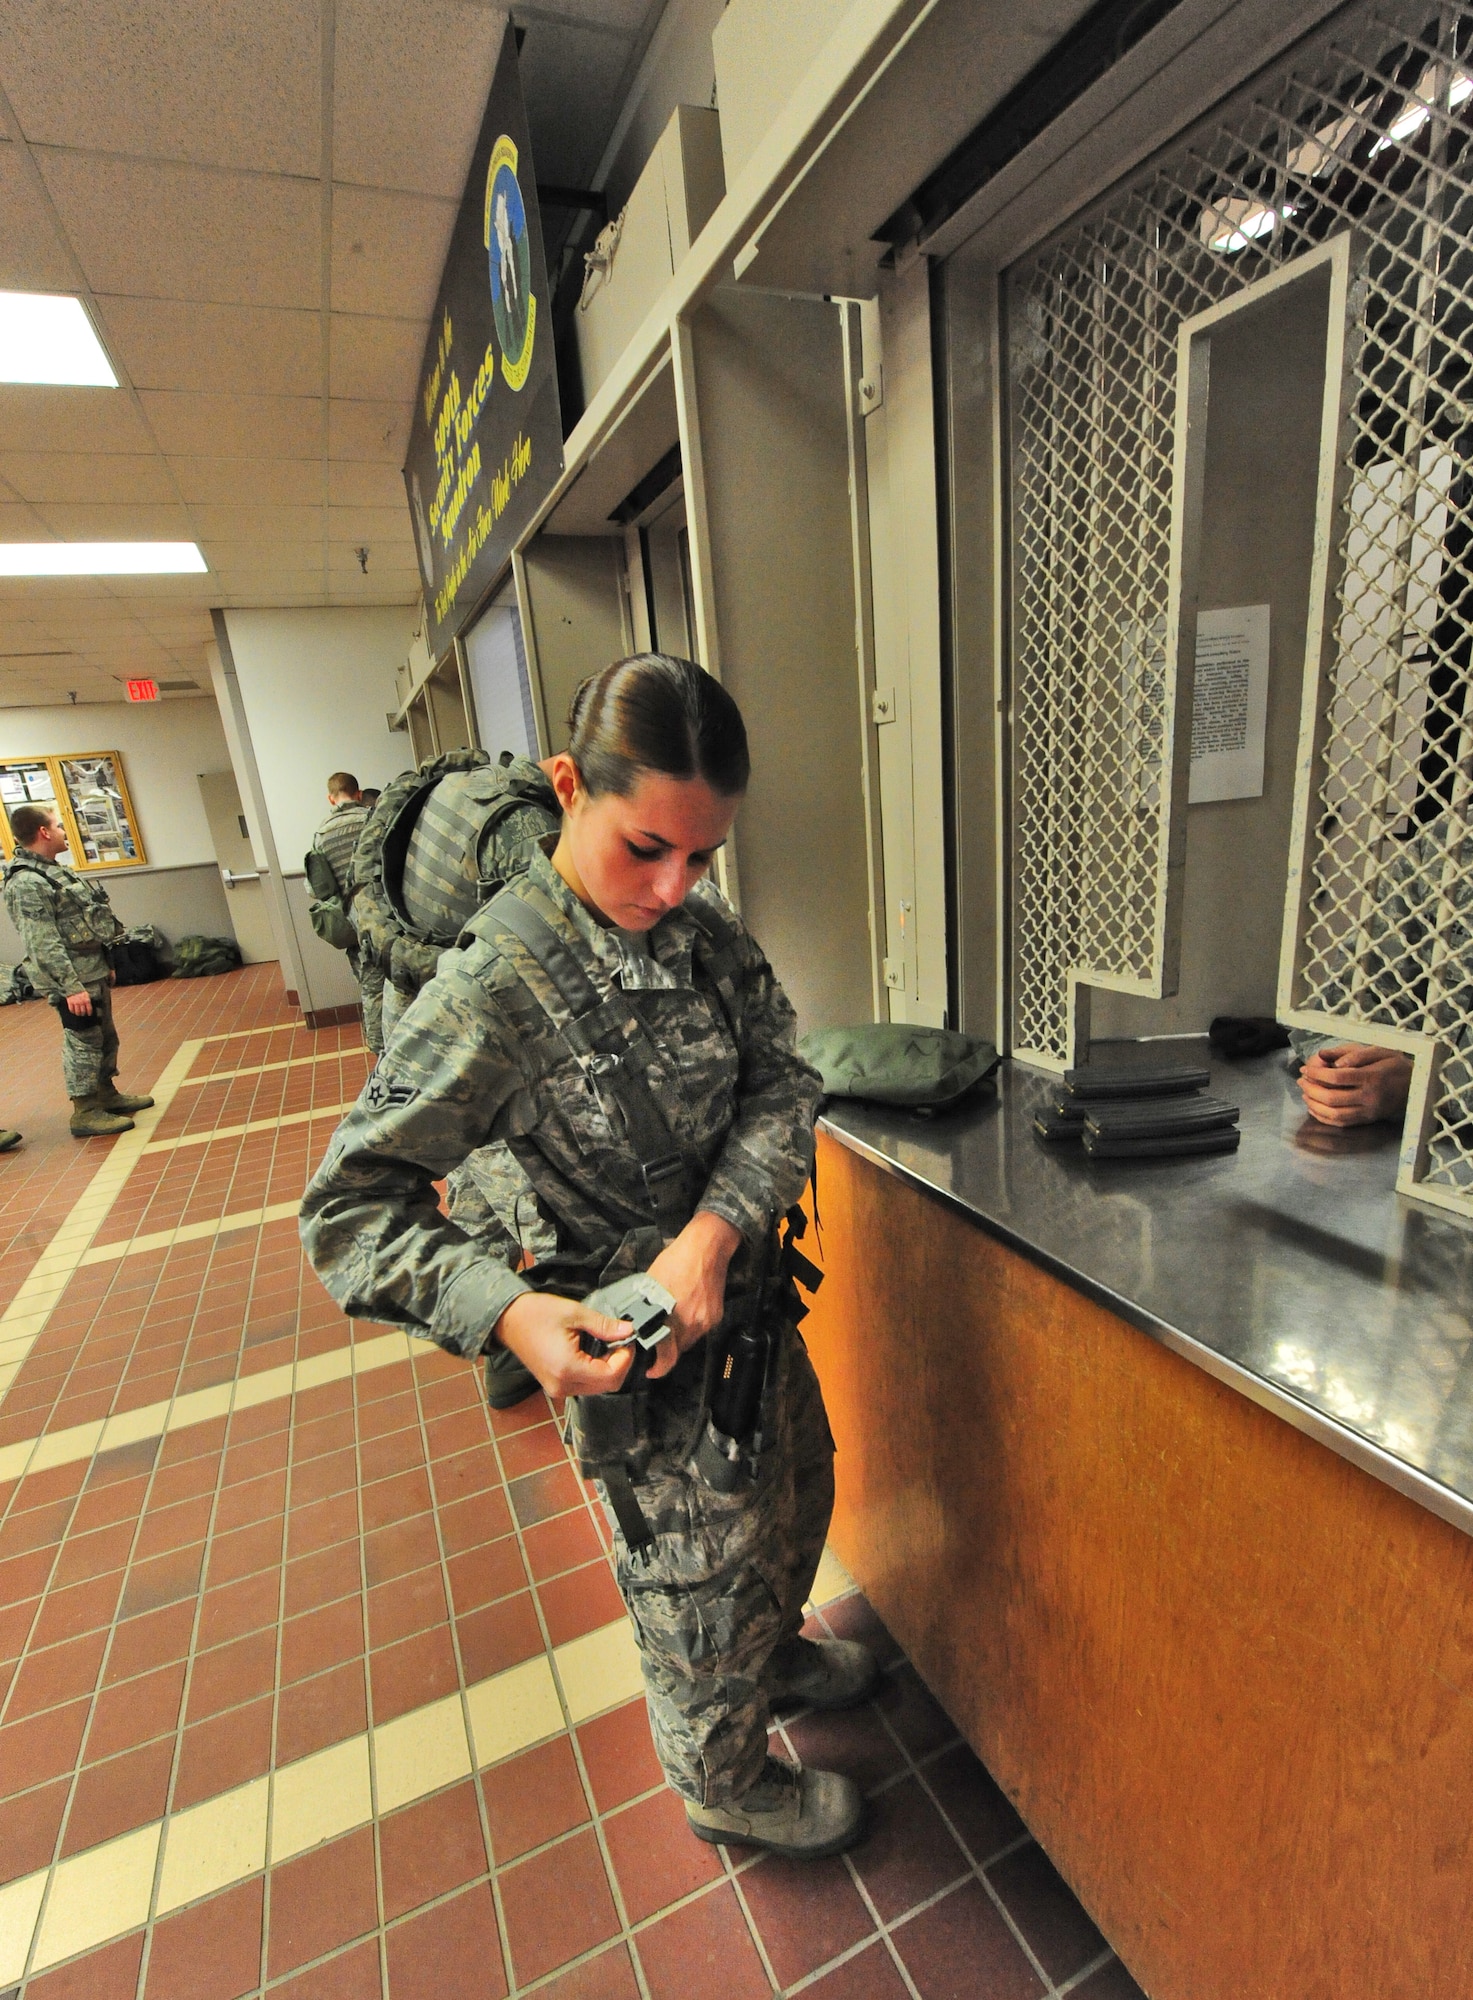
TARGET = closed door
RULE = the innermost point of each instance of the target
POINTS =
(238, 871)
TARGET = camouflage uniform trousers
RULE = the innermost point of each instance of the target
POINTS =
(392, 1006)
(371, 999)
(89, 1045)
(726, 1581)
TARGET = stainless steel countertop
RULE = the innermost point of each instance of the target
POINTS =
(1290, 1270)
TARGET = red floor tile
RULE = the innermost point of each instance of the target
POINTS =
(562, 1544)
(907, 1853)
(533, 1798)
(429, 1848)
(313, 1713)
(531, 1450)
(557, 1906)
(226, 1751)
(108, 1974)
(580, 1602)
(482, 1575)
(400, 1548)
(703, 1952)
(153, 1640)
(411, 1673)
(454, 1948)
(501, 1636)
(870, 1976)
(977, 1809)
(247, 1550)
(28, 1829)
(545, 1494)
(1059, 1932)
(210, 1952)
(167, 1579)
(619, 1755)
(962, 1946)
(352, 1975)
(135, 1711)
(229, 1675)
(42, 1747)
(407, 1605)
(58, 1674)
(238, 1608)
(321, 1639)
(115, 1797)
(321, 1900)
(467, 1524)
(806, 1912)
(655, 1857)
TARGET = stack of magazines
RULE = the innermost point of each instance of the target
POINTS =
(1117, 1112)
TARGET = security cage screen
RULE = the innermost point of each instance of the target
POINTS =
(1367, 129)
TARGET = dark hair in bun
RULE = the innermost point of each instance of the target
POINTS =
(655, 712)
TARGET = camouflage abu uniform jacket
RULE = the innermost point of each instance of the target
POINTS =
(479, 1067)
(66, 921)
(437, 873)
(337, 839)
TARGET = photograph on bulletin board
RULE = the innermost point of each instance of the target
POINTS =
(100, 810)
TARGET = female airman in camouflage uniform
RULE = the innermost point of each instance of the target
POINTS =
(493, 1079)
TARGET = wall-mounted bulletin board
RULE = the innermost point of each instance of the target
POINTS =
(90, 792)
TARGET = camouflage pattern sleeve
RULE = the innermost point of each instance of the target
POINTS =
(373, 920)
(34, 915)
(767, 1155)
(370, 1220)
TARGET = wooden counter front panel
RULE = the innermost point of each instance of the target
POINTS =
(1226, 1676)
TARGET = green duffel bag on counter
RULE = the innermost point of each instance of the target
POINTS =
(890, 1062)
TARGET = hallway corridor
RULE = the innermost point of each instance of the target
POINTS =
(315, 1679)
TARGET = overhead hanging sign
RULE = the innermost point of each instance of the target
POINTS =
(486, 445)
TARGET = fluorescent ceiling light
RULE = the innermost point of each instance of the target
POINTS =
(101, 559)
(48, 338)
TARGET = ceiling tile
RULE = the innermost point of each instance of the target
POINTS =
(33, 257)
(385, 526)
(247, 481)
(370, 431)
(207, 426)
(235, 82)
(90, 420)
(78, 522)
(165, 344)
(410, 89)
(388, 251)
(20, 523)
(350, 485)
(282, 522)
(375, 357)
(85, 475)
(143, 230)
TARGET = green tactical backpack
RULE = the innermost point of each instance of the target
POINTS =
(891, 1062)
(198, 957)
(325, 906)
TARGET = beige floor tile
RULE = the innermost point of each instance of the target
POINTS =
(214, 1844)
(264, 1387)
(128, 1426)
(66, 1447)
(511, 1711)
(599, 1670)
(20, 1905)
(419, 1752)
(101, 1894)
(200, 1406)
(319, 1797)
(832, 1581)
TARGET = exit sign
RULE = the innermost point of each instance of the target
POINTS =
(143, 690)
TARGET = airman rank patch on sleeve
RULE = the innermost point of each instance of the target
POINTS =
(381, 1094)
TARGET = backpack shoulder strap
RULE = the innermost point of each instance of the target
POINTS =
(610, 1043)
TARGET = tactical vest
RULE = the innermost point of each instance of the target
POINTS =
(431, 853)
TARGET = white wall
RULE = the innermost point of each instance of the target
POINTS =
(316, 688)
(164, 744)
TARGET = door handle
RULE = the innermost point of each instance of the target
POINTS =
(231, 880)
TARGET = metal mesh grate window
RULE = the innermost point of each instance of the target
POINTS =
(1368, 128)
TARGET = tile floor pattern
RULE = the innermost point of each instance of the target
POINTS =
(315, 1681)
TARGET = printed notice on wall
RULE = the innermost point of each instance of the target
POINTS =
(1229, 704)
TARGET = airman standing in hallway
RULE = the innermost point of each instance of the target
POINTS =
(67, 925)
(335, 840)
(605, 1068)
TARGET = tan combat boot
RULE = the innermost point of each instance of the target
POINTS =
(801, 1814)
(9, 1140)
(121, 1100)
(91, 1118)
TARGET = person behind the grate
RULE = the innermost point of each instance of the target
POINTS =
(67, 925)
(1423, 911)
(606, 1069)
(336, 841)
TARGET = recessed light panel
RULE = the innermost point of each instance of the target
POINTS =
(101, 559)
(48, 338)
